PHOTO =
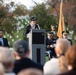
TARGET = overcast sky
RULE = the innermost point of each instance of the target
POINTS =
(29, 3)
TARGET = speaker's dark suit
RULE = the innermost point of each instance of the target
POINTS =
(28, 28)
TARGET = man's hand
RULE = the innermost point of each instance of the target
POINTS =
(52, 46)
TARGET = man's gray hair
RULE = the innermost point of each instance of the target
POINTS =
(6, 58)
(6, 55)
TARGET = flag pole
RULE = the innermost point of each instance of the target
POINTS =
(61, 26)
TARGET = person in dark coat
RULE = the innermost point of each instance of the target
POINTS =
(3, 41)
(50, 44)
(23, 62)
(32, 25)
(65, 36)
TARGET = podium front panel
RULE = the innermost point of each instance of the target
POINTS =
(38, 37)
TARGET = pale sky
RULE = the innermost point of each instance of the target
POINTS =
(29, 3)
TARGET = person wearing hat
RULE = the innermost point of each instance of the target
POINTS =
(53, 29)
(65, 36)
(32, 25)
(50, 45)
(23, 62)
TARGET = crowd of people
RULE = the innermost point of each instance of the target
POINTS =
(61, 52)
(17, 62)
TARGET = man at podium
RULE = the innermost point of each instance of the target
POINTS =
(32, 25)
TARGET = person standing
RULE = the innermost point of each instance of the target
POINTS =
(32, 25)
(70, 57)
(3, 41)
(7, 60)
(23, 62)
(57, 65)
(53, 29)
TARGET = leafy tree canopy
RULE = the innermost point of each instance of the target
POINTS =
(8, 14)
(43, 18)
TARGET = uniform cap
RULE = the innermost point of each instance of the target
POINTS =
(32, 18)
(65, 32)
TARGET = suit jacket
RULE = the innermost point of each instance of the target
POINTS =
(5, 41)
(28, 28)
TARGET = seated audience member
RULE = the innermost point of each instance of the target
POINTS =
(65, 36)
(50, 41)
(71, 60)
(24, 65)
(55, 66)
(7, 59)
(1, 69)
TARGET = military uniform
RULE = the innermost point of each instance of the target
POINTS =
(53, 28)
(65, 33)
(30, 27)
(50, 41)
